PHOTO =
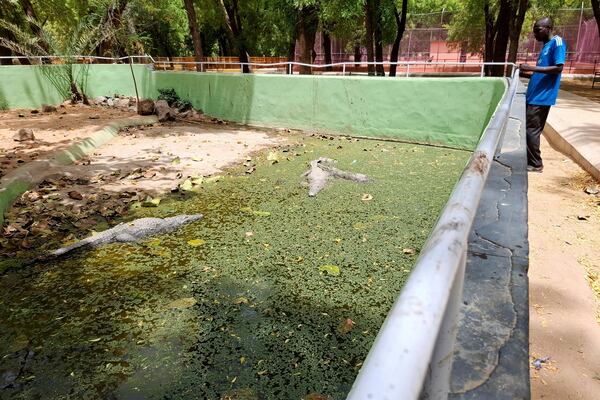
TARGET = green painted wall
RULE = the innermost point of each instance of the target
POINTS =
(28, 87)
(450, 111)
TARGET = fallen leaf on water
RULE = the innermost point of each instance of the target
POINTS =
(75, 195)
(196, 242)
(367, 197)
(150, 202)
(213, 179)
(246, 210)
(408, 251)
(95, 340)
(240, 300)
(176, 161)
(359, 226)
(186, 185)
(316, 396)
(197, 158)
(273, 156)
(332, 270)
(261, 213)
(184, 302)
(346, 326)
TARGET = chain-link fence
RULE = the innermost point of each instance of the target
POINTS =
(426, 39)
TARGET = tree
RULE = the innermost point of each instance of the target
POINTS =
(308, 23)
(401, 26)
(194, 32)
(516, 26)
(32, 18)
(596, 8)
(233, 23)
(370, 32)
(67, 78)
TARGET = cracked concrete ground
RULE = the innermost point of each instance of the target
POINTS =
(491, 352)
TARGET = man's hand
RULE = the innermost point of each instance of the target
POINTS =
(526, 68)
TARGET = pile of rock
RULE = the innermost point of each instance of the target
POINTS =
(147, 107)
(116, 101)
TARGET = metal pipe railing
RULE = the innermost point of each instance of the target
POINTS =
(412, 354)
(287, 66)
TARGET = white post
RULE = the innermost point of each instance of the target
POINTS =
(344, 69)
(290, 68)
(407, 70)
(482, 69)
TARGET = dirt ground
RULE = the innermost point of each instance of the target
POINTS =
(53, 131)
(582, 87)
(564, 222)
(141, 165)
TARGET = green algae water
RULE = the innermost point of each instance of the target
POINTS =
(272, 295)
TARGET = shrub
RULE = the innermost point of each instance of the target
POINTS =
(173, 99)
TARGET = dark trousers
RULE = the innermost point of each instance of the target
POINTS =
(536, 119)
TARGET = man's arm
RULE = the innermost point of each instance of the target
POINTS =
(551, 70)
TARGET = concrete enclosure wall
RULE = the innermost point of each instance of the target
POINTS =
(449, 111)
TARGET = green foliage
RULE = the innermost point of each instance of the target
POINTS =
(173, 99)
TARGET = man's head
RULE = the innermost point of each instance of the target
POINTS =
(542, 30)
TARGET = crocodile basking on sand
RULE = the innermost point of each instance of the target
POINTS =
(322, 171)
(131, 231)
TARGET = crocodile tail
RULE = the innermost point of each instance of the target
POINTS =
(69, 248)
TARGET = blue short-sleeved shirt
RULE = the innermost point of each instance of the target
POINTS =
(543, 88)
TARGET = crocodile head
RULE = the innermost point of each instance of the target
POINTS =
(185, 218)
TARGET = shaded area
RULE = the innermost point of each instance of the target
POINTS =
(253, 304)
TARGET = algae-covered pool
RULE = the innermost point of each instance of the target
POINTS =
(272, 295)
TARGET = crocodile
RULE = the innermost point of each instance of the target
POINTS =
(322, 170)
(131, 231)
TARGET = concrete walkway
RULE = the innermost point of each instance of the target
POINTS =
(573, 128)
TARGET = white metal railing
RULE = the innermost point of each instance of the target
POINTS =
(412, 354)
(289, 65)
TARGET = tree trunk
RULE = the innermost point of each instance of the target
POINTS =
(30, 13)
(378, 36)
(291, 56)
(308, 24)
(5, 52)
(194, 31)
(327, 49)
(112, 21)
(521, 7)
(233, 24)
(596, 8)
(369, 36)
(357, 56)
(401, 26)
(503, 22)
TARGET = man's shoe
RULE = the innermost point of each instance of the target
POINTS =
(531, 168)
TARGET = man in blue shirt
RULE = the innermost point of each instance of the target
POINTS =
(543, 87)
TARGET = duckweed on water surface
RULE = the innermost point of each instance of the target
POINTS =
(273, 295)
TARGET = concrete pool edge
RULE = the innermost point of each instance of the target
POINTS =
(22, 179)
(496, 283)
